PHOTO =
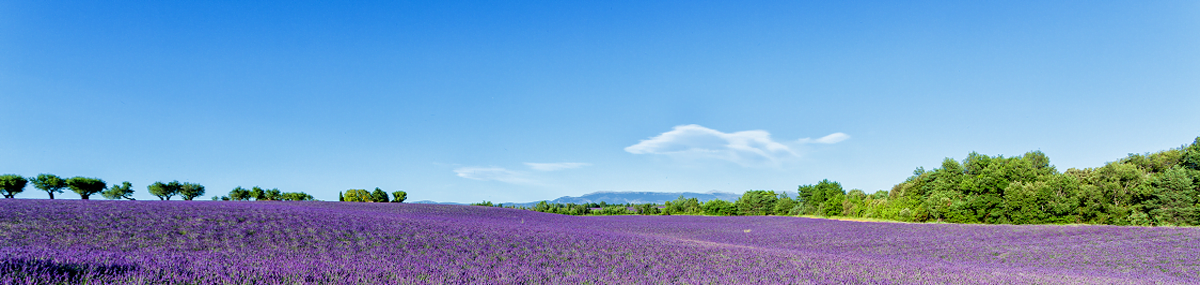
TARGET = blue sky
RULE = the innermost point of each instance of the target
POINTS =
(501, 101)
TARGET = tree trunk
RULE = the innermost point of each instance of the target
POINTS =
(85, 197)
(51, 195)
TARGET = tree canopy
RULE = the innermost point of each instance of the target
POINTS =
(12, 184)
(123, 191)
(357, 195)
(190, 191)
(379, 196)
(85, 186)
(164, 191)
(399, 196)
(50, 183)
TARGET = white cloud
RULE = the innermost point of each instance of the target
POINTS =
(830, 139)
(555, 166)
(493, 174)
(694, 141)
(746, 148)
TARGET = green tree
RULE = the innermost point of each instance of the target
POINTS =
(258, 193)
(399, 196)
(123, 191)
(50, 183)
(719, 207)
(12, 184)
(85, 186)
(340, 197)
(358, 195)
(833, 206)
(1176, 192)
(190, 191)
(784, 205)
(756, 202)
(272, 194)
(239, 194)
(855, 204)
(682, 205)
(828, 197)
(164, 191)
(1191, 155)
(379, 196)
(646, 209)
(295, 196)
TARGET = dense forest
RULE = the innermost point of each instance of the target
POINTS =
(1160, 188)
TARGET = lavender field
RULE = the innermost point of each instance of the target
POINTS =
(177, 242)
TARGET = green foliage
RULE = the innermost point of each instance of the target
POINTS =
(190, 191)
(50, 183)
(646, 209)
(612, 210)
(85, 186)
(357, 195)
(756, 202)
(259, 194)
(273, 194)
(719, 208)
(12, 184)
(1175, 195)
(123, 191)
(164, 191)
(784, 205)
(295, 196)
(1191, 155)
(379, 196)
(240, 194)
(824, 198)
(681, 205)
(399, 196)
(1160, 188)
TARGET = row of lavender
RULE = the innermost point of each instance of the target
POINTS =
(135, 242)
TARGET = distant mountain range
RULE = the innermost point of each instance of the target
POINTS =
(623, 198)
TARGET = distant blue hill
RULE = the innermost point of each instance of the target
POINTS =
(635, 198)
(643, 197)
(621, 198)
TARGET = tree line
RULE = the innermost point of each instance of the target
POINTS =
(747, 205)
(260, 194)
(1150, 189)
(12, 184)
(379, 196)
(1160, 188)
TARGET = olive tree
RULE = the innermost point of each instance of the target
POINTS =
(123, 191)
(190, 191)
(86, 186)
(50, 183)
(164, 191)
(11, 184)
(399, 197)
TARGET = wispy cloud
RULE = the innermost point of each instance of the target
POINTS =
(830, 139)
(746, 148)
(555, 166)
(493, 174)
